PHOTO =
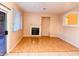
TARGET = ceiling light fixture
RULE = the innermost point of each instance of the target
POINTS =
(44, 8)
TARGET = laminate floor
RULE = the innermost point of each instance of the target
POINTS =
(43, 44)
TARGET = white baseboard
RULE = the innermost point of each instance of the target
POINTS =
(65, 39)
(15, 44)
(31, 35)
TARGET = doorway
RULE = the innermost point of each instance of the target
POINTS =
(45, 26)
(3, 32)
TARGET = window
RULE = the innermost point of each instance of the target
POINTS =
(17, 20)
(71, 19)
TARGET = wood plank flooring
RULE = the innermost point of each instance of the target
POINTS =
(43, 44)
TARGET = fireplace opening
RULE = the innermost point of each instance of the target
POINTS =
(35, 31)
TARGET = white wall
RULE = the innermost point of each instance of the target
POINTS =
(31, 20)
(70, 34)
(34, 19)
(56, 26)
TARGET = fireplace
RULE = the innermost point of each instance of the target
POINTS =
(35, 31)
